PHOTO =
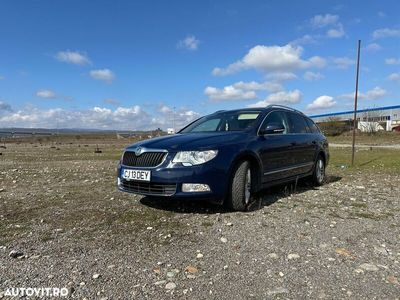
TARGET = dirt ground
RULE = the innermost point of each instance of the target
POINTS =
(60, 208)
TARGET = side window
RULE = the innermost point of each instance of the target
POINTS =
(276, 117)
(312, 126)
(297, 123)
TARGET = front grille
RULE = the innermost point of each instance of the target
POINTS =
(148, 188)
(147, 159)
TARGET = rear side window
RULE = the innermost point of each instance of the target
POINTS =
(297, 123)
(312, 126)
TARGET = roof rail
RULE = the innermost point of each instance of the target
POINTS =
(218, 111)
(285, 107)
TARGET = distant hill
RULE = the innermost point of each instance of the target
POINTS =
(67, 131)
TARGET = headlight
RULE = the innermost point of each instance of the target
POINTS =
(192, 158)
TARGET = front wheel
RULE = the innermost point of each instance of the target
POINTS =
(241, 187)
(318, 176)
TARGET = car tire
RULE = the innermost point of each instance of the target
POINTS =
(241, 188)
(318, 176)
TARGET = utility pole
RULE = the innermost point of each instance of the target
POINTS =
(355, 104)
(173, 119)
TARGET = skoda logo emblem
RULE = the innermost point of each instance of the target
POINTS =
(138, 151)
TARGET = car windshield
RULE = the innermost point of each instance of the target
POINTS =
(228, 121)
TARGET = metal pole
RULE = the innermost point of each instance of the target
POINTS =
(173, 119)
(355, 104)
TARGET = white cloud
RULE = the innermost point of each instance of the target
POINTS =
(126, 118)
(259, 86)
(343, 62)
(322, 102)
(320, 21)
(305, 39)
(394, 77)
(165, 109)
(392, 61)
(381, 14)
(374, 94)
(105, 75)
(271, 59)
(112, 101)
(373, 47)
(312, 76)
(283, 97)
(4, 106)
(189, 43)
(48, 94)
(281, 76)
(73, 57)
(335, 28)
(337, 32)
(228, 93)
(385, 33)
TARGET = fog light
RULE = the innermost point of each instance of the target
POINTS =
(195, 187)
(118, 181)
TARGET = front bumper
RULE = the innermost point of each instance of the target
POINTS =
(167, 179)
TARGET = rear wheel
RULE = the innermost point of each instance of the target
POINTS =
(318, 176)
(241, 191)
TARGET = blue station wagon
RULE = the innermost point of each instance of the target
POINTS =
(227, 157)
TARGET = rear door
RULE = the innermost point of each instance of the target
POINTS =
(302, 146)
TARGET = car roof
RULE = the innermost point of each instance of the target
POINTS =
(261, 109)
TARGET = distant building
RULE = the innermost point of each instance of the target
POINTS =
(170, 131)
(383, 117)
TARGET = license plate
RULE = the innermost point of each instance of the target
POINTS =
(140, 175)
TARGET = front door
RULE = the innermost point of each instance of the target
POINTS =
(276, 149)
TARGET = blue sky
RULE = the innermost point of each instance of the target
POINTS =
(127, 64)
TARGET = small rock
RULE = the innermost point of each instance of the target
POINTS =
(273, 255)
(149, 228)
(82, 283)
(16, 254)
(293, 256)
(95, 276)
(191, 270)
(190, 276)
(229, 224)
(369, 267)
(170, 286)
(277, 291)
(171, 274)
(381, 250)
(199, 255)
(224, 239)
(160, 282)
(392, 280)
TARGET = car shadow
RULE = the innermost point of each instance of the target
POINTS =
(267, 198)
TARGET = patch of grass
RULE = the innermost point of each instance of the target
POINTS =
(207, 224)
(385, 160)
(359, 205)
(371, 215)
(379, 138)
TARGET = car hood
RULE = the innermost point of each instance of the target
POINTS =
(192, 141)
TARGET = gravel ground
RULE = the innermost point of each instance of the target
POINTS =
(61, 210)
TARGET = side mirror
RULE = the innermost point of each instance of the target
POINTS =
(273, 128)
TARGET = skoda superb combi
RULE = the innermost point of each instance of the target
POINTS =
(227, 157)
